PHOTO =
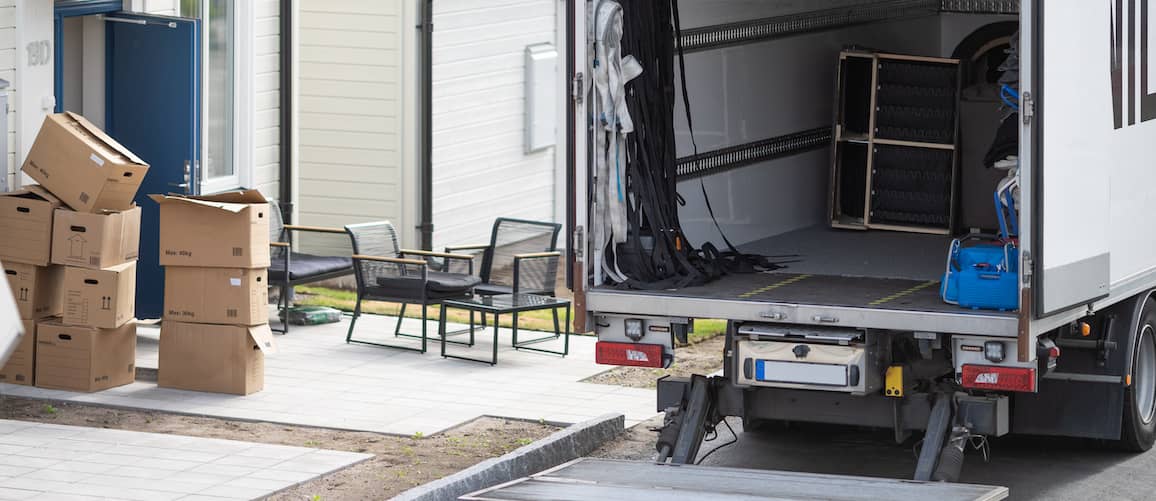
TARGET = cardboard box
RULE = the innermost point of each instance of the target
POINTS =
(21, 365)
(37, 289)
(230, 230)
(235, 296)
(11, 328)
(83, 166)
(100, 298)
(84, 358)
(26, 225)
(96, 240)
(213, 358)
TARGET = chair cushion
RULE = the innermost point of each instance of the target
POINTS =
(303, 266)
(438, 285)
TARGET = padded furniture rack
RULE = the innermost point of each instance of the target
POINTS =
(894, 164)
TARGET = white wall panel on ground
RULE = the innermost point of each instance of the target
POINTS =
(481, 170)
(350, 116)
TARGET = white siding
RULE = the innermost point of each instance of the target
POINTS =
(350, 114)
(8, 72)
(266, 97)
(480, 168)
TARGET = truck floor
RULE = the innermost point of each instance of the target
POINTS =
(847, 268)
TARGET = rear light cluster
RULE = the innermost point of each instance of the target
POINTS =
(990, 377)
(628, 354)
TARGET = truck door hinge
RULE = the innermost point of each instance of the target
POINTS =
(579, 242)
(1027, 265)
(577, 88)
(1028, 108)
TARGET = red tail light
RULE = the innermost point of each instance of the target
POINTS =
(990, 377)
(634, 355)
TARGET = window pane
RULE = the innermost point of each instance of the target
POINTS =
(219, 94)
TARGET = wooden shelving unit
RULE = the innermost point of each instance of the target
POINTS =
(894, 164)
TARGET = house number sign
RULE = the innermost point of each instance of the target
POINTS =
(39, 53)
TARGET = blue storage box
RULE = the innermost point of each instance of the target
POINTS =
(982, 276)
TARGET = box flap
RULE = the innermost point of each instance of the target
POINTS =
(177, 199)
(104, 138)
(235, 197)
(34, 189)
(264, 338)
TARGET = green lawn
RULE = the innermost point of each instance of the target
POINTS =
(532, 320)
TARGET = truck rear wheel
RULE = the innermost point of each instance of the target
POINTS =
(1139, 423)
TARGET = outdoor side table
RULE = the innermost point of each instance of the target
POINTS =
(508, 304)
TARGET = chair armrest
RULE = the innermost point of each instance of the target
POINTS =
(552, 256)
(395, 260)
(455, 248)
(468, 259)
(535, 255)
(446, 255)
(314, 229)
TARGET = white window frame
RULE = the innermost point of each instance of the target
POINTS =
(243, 108)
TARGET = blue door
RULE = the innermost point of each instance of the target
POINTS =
(153, 108)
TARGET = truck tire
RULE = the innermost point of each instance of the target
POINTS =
(1139, 421)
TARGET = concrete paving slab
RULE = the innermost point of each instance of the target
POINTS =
(318, 380)
(124, 470)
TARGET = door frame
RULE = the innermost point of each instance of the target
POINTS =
(72, 8)
(244, 106)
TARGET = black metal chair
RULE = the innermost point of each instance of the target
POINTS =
(385, 272)
(521, 258)
(288, 268)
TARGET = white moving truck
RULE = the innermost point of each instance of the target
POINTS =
(853, 329)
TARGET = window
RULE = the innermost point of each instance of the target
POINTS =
(223, 132)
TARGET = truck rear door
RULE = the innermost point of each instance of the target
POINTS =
(1077, 117)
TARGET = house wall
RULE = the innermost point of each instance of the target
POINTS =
(481, 170)
(8, 72)
(351, 116)
(266, 156)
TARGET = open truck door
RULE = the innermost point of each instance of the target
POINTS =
(1073, 132)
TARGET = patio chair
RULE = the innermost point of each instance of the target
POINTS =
(288, 268)
(521, 258)
(385, 272)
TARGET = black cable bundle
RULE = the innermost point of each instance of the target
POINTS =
(652, 207)
(651, 33)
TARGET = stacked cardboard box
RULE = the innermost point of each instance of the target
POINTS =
(72, 264)
(215, 251)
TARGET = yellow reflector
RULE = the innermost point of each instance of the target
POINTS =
(1085, 329)
(1128, 380)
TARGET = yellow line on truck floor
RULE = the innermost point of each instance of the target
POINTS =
(789, 281)
(903, 293)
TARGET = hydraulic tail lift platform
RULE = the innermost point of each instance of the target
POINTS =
(613, 480)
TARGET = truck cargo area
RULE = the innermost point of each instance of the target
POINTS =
(882, 275)
(612, 480)
(858, 193)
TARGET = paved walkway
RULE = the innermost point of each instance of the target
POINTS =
(48, 461)
(318, 380)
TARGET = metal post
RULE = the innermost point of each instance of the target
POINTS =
(699, 407)
(937, 428)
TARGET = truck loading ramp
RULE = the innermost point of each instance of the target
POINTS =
(615, 480)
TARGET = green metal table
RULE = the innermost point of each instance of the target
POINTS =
(508, 304)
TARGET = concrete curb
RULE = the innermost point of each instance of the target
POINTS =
(571, 443)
